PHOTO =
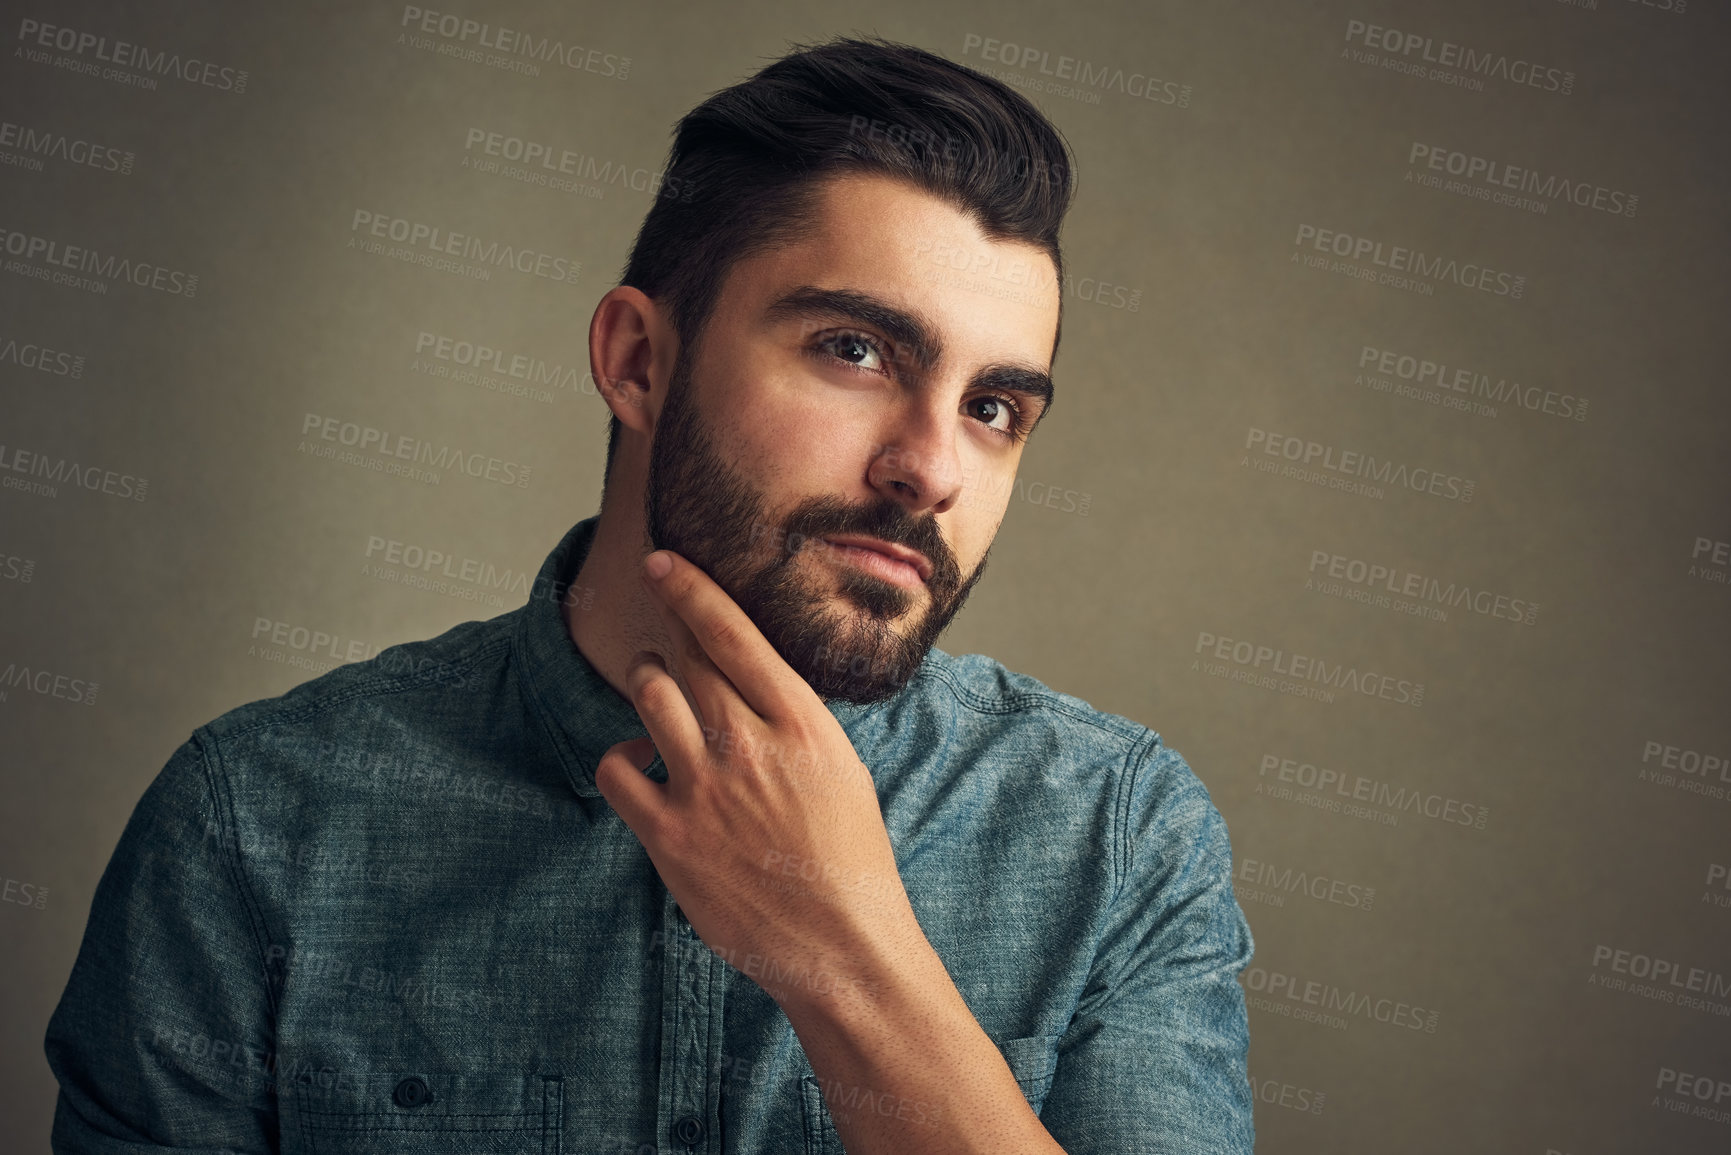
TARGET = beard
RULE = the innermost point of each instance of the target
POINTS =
(697, 505)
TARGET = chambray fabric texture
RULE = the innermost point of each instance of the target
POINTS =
(389, 912)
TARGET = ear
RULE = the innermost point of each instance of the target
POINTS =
(631, 353)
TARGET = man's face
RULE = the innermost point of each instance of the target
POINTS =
(855, 386)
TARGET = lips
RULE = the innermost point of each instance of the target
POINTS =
(900, 553)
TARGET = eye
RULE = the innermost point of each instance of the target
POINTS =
(998, 406)
(864, 353)
(855, 349)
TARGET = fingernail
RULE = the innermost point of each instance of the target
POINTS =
(658, 564)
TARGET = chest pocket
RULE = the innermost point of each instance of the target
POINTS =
(424, 1113)
(1033, 1060)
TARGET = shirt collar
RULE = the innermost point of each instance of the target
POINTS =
(583, 715)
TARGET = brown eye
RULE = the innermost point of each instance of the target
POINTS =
(854, 349)
(996, 407)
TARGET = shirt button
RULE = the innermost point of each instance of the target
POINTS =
(689, 1130)
(412, 1092)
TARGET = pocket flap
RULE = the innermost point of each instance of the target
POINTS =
(440, 1110)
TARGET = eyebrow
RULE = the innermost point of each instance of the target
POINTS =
(909, 332)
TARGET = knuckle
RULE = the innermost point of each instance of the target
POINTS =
(654, 692)
(726, 635)
(692, 651)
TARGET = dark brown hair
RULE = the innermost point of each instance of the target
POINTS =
(744, 165)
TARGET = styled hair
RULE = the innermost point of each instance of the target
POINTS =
(742, 175)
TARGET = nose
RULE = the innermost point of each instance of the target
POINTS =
(916, 464)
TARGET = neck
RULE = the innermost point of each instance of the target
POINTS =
(620, 618)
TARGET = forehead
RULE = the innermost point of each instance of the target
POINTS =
(989, 299)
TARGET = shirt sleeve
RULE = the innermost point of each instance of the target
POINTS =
(1154, 1058)
(162, 1038)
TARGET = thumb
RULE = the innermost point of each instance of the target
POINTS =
(620, 778)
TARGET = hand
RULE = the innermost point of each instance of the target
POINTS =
(768, 831)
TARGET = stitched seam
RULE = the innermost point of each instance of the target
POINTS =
(1123, 853)
(528, 1123)
(1019, 701)
(552, 1114)
(222, 804)
(544, 714)
(378, 685)
(335, 1121)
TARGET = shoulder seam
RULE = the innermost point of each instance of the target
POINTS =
(381, 684)
(1016, 701)
(222, 805)
(1139, 756)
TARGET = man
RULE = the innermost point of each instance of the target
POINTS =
(707, 847)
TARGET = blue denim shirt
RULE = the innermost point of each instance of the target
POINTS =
(388, 911)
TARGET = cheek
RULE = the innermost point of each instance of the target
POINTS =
(986, 495)
(820, 442)
(987, 489)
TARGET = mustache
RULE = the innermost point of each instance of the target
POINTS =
(825, 516)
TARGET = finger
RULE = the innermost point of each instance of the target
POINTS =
(637, 799)
(711, 692)
(739, 655)
(667, 716)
